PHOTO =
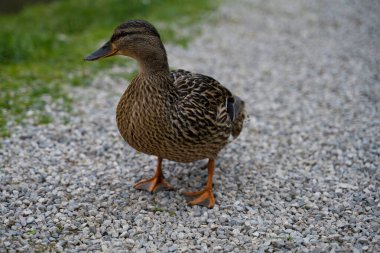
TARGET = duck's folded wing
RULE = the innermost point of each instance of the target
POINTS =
(205, 108)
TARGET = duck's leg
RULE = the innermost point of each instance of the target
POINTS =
(156, 183)
(204, 197)
(218, 162)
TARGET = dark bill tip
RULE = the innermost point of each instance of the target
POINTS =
(105, 51)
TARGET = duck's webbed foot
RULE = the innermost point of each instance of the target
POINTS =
(156, 183)
(153, 184)
(204, 197)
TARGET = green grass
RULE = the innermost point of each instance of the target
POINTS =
(159, 209)
(59, 228)
(31, 232)
(41, 48)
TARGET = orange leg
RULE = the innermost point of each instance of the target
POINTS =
(204, 197)
(156, 183)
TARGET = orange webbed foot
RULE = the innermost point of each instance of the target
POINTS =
(153, 184)
(156, 183)
(203, 198)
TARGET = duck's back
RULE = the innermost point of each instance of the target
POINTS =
(207, 112)
(202, 104)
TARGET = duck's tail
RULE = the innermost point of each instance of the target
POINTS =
(240, 114)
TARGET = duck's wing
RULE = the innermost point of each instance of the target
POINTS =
(205, 109)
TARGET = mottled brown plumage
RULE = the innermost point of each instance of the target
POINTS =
(175, 115)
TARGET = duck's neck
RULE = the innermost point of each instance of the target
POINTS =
(153, 64)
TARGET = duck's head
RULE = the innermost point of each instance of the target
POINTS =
(137, 39)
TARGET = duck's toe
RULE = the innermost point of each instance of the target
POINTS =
(202, 198)
(153, 184)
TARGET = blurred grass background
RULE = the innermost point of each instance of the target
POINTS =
(42, 47)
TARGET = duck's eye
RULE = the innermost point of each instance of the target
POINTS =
(124, 33)
(119, 35)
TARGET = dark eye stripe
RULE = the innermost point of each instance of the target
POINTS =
(125, 33)
(117, 36)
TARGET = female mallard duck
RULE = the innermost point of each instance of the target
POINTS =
(175, 115)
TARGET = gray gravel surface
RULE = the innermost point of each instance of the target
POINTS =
(303, 176)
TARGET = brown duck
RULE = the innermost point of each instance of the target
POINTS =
(175, 115)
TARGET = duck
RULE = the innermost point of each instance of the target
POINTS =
(175, 115)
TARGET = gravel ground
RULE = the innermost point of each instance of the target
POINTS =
(303, 176)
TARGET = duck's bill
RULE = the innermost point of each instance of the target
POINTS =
(105, 51)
